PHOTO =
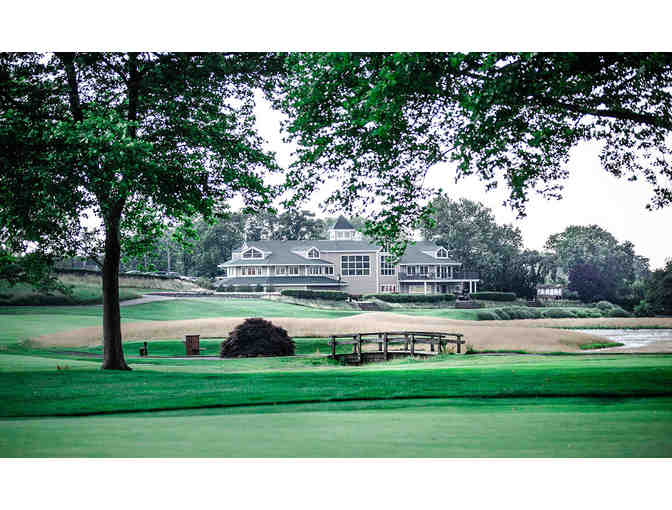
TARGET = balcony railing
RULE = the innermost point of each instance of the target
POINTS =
(457, 275)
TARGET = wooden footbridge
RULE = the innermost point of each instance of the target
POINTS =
(408, 339)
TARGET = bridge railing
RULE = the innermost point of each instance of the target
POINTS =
(408, 338)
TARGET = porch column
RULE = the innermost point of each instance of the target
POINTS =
(425, 287)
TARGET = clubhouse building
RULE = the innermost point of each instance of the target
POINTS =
(344, 262)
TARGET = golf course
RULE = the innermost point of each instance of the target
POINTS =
(525, 388)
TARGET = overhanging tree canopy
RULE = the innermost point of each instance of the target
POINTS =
(378, 122)
(136, 139)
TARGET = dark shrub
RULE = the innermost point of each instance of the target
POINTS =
(559, 313)
(466, 305)
(257, 337)
(604, 305)
(617, 311)
(258, 288)
(329, 295)
(494, 296)
(414, 298)
(501, 314)
(246, 288)
(486, 315)
(643, 309)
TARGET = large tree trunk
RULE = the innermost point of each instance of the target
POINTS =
(113, 352)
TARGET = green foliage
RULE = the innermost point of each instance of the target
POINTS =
(559, 313)
(327, 295)
(605, 306)
(494, 296)
(658, 290)
(413, 298)
(511, 117)
(600, 345)
(486, 315)
(643, 309)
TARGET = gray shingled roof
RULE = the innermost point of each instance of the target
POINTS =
(414, 254)
(281, 252)
(342, 224)
(280, 280)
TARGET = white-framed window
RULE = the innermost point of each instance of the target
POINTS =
(293, 270)
(441, 253)
(388, 289)
(314, 270)
(328, 269)
(252, 271)
(423, 269)
(355, 265)
(314, 253)
(387, 267)
(281, 270)
(253, 253)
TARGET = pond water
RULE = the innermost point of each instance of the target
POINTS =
(643, 339)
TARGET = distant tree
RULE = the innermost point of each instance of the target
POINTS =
(299, 225)
(469, 232)
(658, 290)
(590, 283)
(377, 122)
(617, 264)
(141, 139)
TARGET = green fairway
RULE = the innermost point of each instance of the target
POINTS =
(563, 427)
(58, 403)
(22, 322)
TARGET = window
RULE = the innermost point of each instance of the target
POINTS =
(388, 289)
(441, 253)
(253, 253)
(355, 265)
(386, 265)
(293, 270)
(314, 269)
(280, 270)
(423, 269)
(314, 254)
(251, 271)
(329, 270)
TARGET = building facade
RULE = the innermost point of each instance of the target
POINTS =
(344, 262)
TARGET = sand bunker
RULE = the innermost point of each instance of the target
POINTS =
(534, 335)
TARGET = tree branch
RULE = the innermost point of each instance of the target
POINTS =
(68, 60)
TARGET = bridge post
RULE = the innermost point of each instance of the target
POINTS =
(431, 345)
(333, 347)
(412, 345)
(380, 344)
(359, 345)
(385, 343)
(406, 343)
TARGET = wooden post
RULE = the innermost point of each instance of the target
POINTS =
(192, 344)
(359, 345)
(412, 345)
(406, 342)
(333, 347)
(385, 342)
(459, 339)
(431, 345)
(354, 346)
(380, 344)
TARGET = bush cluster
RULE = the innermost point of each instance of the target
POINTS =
(494, 296)
(413, 298)
(257, 337)
(521, 312)
(330, 295)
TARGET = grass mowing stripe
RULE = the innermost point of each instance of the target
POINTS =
(88, 392)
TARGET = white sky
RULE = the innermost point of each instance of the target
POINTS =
(591, 196)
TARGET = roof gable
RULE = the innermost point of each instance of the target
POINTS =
(342, 224)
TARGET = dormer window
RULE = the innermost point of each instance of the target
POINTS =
(253, 253)
(441, 253)
(313, 253)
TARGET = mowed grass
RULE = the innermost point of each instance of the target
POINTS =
(562, 427)
(82, 389)
(18, 323)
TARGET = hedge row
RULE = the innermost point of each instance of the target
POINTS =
(330, 295)
(413, 298)
(494, 296)
(244, 288)
(521, 312)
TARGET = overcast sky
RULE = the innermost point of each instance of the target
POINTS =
(591, 196)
